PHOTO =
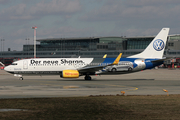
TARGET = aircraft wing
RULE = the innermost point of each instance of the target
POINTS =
(101, 66)
(91, 69)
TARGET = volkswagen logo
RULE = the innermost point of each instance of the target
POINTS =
(158, 44)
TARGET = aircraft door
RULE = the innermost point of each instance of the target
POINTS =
(25, 64)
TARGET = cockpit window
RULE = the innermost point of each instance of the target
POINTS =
(14, 64)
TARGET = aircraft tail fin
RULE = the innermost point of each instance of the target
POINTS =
(156, 48)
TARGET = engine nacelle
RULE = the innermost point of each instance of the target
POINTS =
(70, 74)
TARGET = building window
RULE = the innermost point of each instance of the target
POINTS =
(170, 44)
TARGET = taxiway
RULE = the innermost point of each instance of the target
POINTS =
(148, 82)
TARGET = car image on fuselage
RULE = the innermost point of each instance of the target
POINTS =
(121, 66)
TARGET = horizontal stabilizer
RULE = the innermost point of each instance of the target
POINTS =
(160, 60)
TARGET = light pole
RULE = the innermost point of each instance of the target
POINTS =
(34, 40)
(27, 39)
(2, 44)
(2, 48)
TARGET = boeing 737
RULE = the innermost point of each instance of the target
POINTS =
(65, 67)
(151, 57)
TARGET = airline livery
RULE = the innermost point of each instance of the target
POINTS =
(65, 67)
(151, 57)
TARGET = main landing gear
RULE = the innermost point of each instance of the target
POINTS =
(21, 78)
(87, 77)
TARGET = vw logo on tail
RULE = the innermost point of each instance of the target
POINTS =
(158, 44)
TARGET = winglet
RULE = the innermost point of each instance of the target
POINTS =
(117, 59)
(105, 56)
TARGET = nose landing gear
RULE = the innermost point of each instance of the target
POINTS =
(21, 78)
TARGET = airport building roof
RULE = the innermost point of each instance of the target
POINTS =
(80, 38)
(101, 39)
(174, 36)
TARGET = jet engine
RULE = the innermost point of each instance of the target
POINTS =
(70, 74)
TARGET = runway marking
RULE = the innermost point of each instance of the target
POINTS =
(67, 87)
(63, 86)
(51, 85)
(128, 88)
(134, 88)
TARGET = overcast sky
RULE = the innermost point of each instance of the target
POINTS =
(84, 18)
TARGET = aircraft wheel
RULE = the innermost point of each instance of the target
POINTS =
(113, 70)
(21, 78)
(130, 69)
(87, 77)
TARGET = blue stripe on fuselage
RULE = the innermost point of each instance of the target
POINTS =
(150, 64)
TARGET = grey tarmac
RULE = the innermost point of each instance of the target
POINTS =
(148, 82)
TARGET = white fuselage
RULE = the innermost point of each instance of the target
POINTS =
(47, 65)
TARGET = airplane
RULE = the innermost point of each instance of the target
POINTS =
(65, 67)
(151, 57)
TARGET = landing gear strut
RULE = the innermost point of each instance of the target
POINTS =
(21, 78)
(18, 75)
(87, 77)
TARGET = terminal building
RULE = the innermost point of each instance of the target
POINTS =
(90, 47)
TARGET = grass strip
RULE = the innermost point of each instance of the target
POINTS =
(93, 108)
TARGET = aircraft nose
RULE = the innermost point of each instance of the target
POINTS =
(7, 68)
